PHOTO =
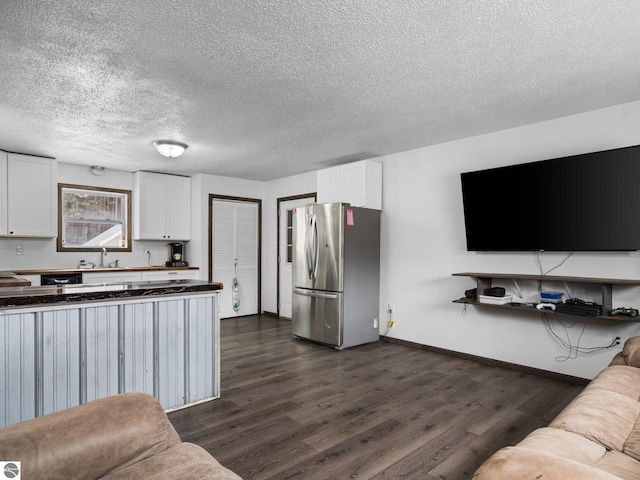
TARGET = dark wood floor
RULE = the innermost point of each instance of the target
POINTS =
(291, 409)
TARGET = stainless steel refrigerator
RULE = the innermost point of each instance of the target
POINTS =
(336, 274)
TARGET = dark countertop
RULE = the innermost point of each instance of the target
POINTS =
(57, 294)
(46, 271)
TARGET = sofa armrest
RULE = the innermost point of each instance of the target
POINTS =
(630, 354)
(89, 440)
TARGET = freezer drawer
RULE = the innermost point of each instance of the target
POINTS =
(317, 316)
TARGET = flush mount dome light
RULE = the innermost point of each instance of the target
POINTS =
(97, 170)
(170, 148)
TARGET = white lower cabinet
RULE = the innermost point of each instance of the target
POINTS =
(56, 357)
(111, 277)
(128, 276)
(170, 275)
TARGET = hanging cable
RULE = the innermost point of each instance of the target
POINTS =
(574, 350)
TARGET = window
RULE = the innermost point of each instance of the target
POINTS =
(289, 236)
(92, 218)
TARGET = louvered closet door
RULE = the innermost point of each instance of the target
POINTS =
(235, 253)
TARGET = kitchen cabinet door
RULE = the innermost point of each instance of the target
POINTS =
(361, 184)
(357, 183)
(3, 193)
(162, 207)
(329, 185)
(31, 197)
(179, 207)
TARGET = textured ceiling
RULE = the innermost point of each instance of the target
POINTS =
(269, 88)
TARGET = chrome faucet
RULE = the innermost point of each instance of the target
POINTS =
(103, 254)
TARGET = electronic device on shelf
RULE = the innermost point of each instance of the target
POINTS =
(546, 306)
(495, 292)
(576, 306)
(628, 312)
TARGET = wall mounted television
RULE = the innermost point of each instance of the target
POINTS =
(588, 202)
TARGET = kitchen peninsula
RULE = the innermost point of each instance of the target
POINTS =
(65, 345)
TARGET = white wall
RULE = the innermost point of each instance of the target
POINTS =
(284, 187)
(423, 243)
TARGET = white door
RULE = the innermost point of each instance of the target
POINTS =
(285, 252)
(235, 255)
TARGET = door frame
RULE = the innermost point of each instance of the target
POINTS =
(212, 197)
(313, 195)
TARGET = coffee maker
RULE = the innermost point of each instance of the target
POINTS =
(176, 255)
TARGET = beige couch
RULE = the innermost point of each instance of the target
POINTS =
(597, 436)
(125, 436)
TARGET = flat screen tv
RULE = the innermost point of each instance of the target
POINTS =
(588, 202)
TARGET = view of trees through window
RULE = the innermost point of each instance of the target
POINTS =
(94, 218)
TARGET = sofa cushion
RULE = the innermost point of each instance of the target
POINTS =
(620, 379)
(185, 460)
(605, 417)
(524, 464)
(572, 446)
(564, 444)
(607, 410)
(549, 453)
(621, 465)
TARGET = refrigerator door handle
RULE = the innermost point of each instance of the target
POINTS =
(308, 252)
(306, 293)
(315, 246)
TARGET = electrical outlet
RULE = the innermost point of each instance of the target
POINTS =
(391, 308)
(19, 250)
(375, 322)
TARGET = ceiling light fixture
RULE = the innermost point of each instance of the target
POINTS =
(170, 148)
(97, 170)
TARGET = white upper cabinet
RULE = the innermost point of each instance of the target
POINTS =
(161, 206)
(4, 196)
(358, 183)
(28, 196)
